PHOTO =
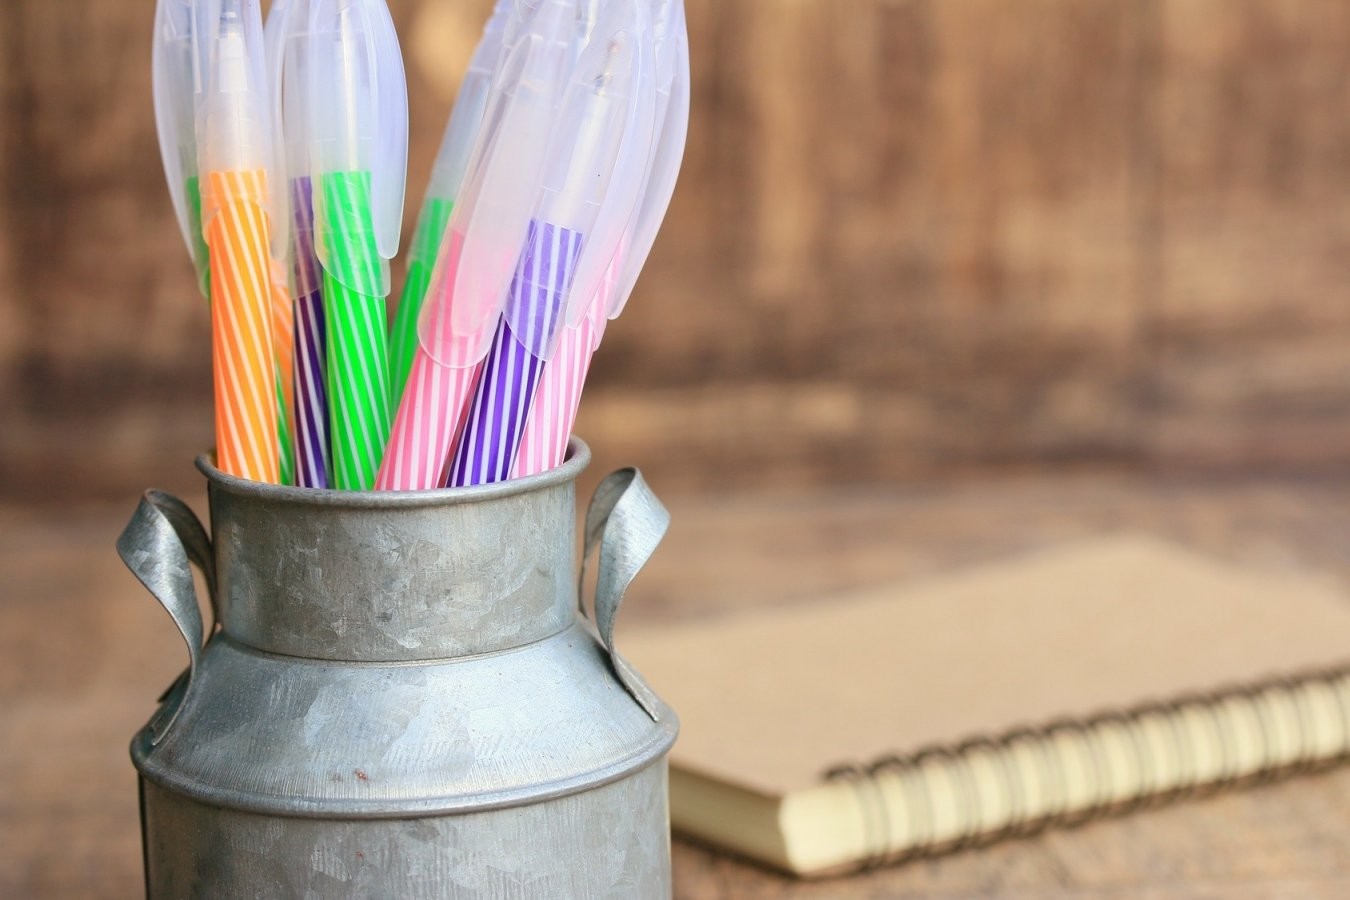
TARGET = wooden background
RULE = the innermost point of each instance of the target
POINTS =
(912, 237)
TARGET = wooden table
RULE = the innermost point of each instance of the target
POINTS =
(84, 652)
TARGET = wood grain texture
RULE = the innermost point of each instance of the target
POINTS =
(911, 237)
(84, 650)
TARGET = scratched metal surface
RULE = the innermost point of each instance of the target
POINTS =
(395, 576)
(315, 738)
(609, 842)
(403, 699)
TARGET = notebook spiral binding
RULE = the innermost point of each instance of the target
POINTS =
(1264, 699)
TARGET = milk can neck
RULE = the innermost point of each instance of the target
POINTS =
(387, 577)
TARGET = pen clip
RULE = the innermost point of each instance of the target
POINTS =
(389, 176)
(357, 102)
(276, 34)
(466, 118)
(173, 74)
(596, 316)
(668, 152)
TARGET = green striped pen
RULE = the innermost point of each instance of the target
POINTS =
(358, 110)
(426, 242)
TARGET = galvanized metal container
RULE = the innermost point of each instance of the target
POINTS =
(401, 698)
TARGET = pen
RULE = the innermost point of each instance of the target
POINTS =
(481, 245)
(626, 180)
(446, 174)
(174, 79)
(543, 441)
(293, 239)
(598, 114)
(234, 156)
(358, 128)
(543, 444)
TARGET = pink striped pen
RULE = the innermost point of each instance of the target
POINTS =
(544, 441)
(435, 398)
(480, 250)
(543, 444)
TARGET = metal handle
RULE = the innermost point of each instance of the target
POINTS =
(158, 545)
(628, 522)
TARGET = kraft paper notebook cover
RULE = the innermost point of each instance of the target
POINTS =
(924, 717)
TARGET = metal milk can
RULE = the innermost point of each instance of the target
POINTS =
(400, 697)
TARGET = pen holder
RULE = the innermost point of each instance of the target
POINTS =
(401, 696)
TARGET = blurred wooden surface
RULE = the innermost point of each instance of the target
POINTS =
(84, 651)
(911, 237)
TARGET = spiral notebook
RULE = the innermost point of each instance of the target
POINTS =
(1047, 689)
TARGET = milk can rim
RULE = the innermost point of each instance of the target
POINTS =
(578, 458)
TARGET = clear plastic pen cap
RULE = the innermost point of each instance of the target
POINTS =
(358, 107)
(491, 217)
(174, 75)
(452, 160)
(617, 67)
(661, 167)
(288, 52)
(233, 125)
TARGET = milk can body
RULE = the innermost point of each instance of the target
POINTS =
(401, 698)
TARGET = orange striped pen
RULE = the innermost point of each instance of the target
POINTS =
(234, 157)
(242, 357)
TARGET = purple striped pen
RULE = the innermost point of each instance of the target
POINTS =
(287, 22)
(505, 392)
(596, 113)
(312, 452)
